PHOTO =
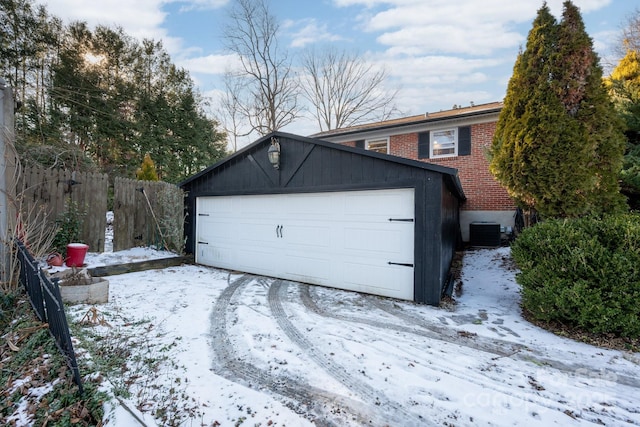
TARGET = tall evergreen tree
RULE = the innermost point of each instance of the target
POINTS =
(170, 120)
(586, 99)
(28, 38)
(75, 87)
(551, 150)
(98, 99)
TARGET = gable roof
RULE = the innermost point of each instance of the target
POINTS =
(456, 113)
(450, 174)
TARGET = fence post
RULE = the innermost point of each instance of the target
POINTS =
(7, 172)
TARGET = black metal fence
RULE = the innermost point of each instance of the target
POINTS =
(46, 300)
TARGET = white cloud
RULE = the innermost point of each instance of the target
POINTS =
(438, 69)
(201, 4)
(481, 39)
(367, 3)
(210, 64)
(443, 52)
(440, 52)
(464, 13)
(139, 19)
(464, 26)
(143, 19)
(308, 31)
(442, 26)
(435, 82)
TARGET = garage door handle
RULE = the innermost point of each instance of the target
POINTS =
(403, 264)
(401, 219)
(203, 243)
(279, 231)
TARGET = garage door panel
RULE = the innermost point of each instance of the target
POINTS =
(342, 239)
(308, 269)
(215, 205)
(309, 204)
(254, 205)
(307, 236)
(257, 233)
(215, 230)
(376, 240)
(223, 256)
(379, 279)
(257, 261)
(382, 205)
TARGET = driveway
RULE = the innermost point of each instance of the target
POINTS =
(263, 351)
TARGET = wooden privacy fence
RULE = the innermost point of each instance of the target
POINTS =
(52, 190)
(145, 213)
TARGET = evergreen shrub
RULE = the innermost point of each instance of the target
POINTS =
(583, 272)
(69, 227)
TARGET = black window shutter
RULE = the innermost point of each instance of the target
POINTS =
(423, 145)
(464, 141)
(360, 144)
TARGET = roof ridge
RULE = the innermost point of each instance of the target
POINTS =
(457, 111)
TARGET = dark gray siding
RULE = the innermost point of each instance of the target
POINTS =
(450, 225)
(309, 165)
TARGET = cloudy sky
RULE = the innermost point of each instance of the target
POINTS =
(437, 52)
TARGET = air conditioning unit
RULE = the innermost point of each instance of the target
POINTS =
(485, 234)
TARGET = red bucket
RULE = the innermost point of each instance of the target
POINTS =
(75, 254)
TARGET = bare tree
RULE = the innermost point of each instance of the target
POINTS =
(630, 34)
(230, 109)
(271, 88)
(345, 90)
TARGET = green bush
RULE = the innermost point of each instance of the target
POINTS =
(583, 272)
(69, 226)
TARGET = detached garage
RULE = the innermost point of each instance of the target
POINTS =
(321, 213)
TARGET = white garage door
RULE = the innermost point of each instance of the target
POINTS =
(355, 240)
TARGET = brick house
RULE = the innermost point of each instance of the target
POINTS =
(458, 138)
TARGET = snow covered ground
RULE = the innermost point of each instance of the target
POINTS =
(237, 349)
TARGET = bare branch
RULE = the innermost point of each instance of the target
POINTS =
(270, 86)
(231, 109)
(630, 36)
(346, 90)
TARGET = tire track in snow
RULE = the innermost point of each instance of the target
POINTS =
(487, 345)
(424, 328)
(385, 411)
(308, 400)
(433, 331)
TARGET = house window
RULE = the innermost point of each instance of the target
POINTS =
(379, 145)
(444, 143)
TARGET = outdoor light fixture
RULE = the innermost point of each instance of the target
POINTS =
(274, 153)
